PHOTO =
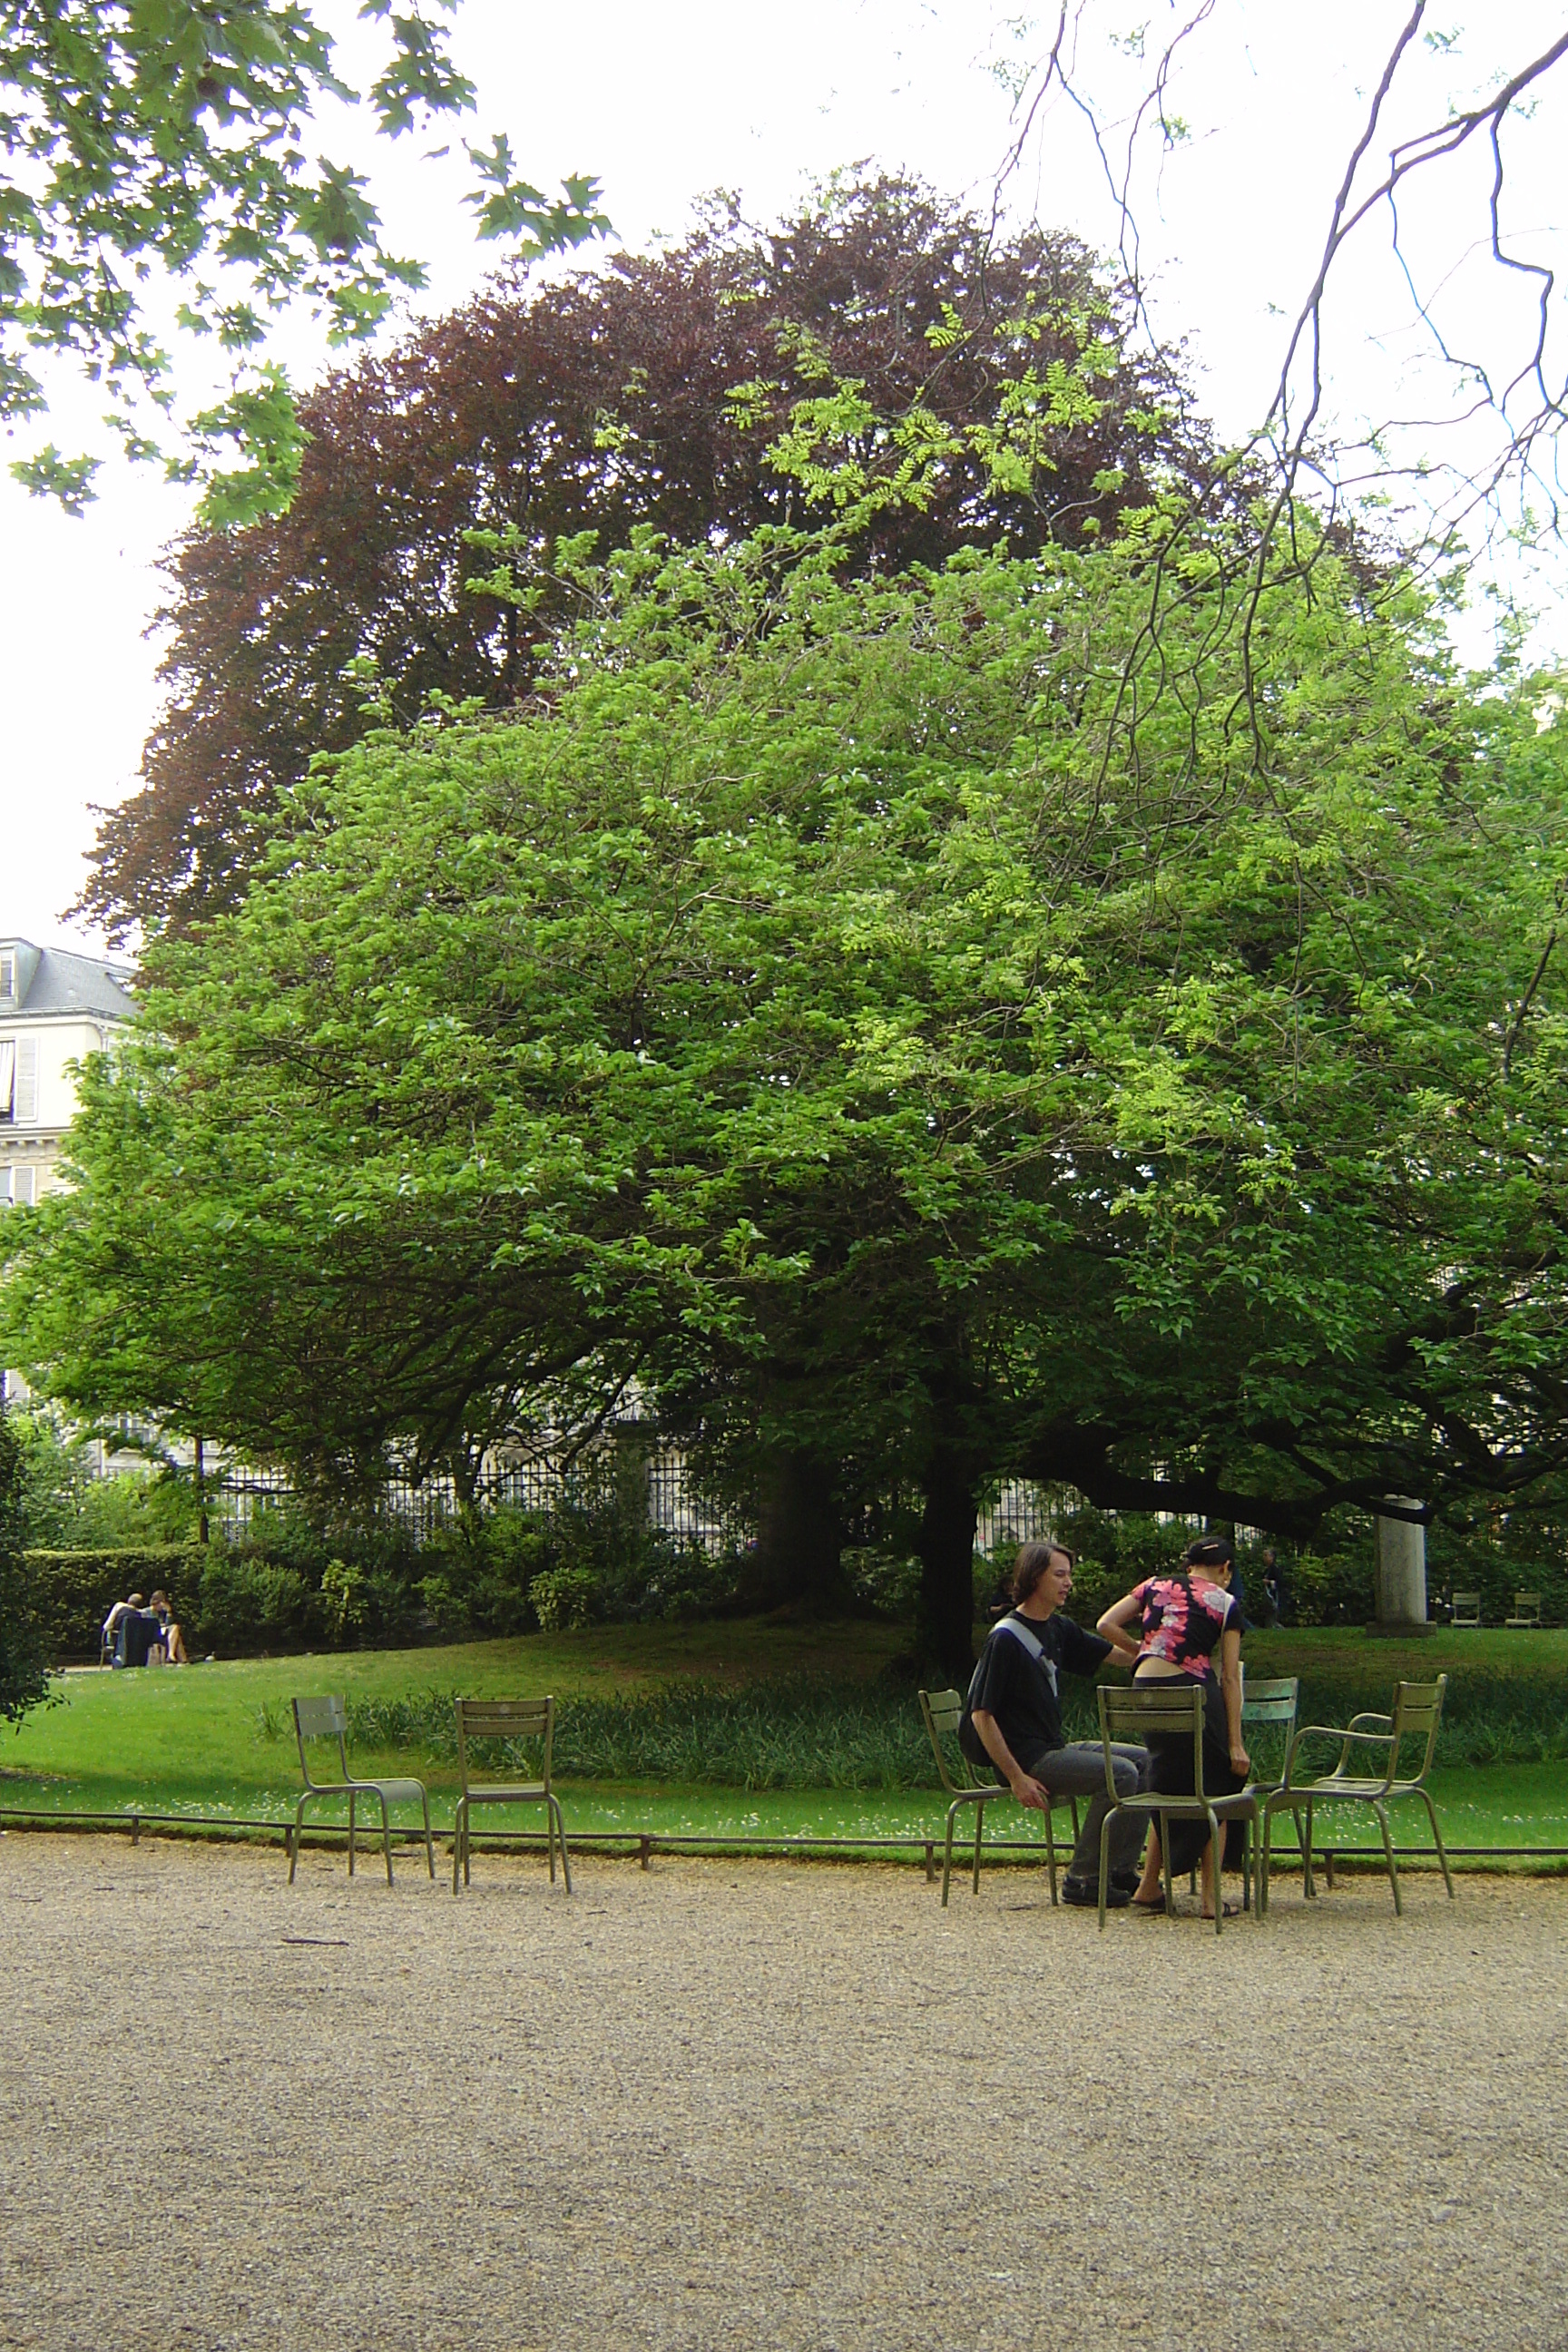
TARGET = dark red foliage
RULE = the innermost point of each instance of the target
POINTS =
(495, 416)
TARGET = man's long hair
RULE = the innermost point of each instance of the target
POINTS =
(1029, 1566)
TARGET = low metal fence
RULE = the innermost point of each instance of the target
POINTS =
(643, 1843)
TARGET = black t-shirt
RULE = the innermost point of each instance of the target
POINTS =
(1021, 1691)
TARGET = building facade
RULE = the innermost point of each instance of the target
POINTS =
(55, 1008)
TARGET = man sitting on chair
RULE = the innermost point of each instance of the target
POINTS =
(1013, 1720)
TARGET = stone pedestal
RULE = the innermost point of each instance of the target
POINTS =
(1401, 1574)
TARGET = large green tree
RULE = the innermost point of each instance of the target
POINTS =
(869, 1015)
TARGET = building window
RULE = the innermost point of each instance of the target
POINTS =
(19, 1080)
(18, 1187)
(7, 976)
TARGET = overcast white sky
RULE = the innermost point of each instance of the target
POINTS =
(666, 101)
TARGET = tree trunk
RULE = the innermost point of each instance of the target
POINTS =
(800, 1537)
(946, 1550)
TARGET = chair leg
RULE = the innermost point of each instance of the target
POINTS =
(1051, 1854)
(386, 1838)
(457, 1840)
(1264, 1860)
(947, 1855)
(1164, 1820)
(1105, 1862)
(1309, 1884)
(979, 1834)
(430, 1840)
(350, 1834)
(550, 1837)
(1382, 1812)
(553, 1807)
(1438, 1840)
(1216, 1875)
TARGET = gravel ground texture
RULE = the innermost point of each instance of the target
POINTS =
(766, 2104)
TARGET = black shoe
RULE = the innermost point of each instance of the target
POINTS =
(1129, 1881)
(1087, 1898)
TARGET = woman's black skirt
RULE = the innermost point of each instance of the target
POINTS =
(1172, 1776)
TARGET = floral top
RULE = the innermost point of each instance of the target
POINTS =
(1181, 1621)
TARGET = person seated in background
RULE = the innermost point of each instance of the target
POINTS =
(137, 1634)
(170, 1640)
(1013, 1720)
(109, 1632)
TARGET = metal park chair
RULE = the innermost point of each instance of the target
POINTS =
(942, 1711)
(1154, 1710)
(1274, 1701)
(1464, 1610)
(1526, 1610)
(506, 1719)
(327, 1718)
(1417, 1713)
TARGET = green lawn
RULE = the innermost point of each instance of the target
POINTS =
(192, 1741)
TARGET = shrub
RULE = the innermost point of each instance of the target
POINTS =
(562, 1598)
(252, 1604)
(477, 1571)
(24, 1681)
(69, 1508)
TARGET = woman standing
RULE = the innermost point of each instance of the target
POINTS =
(1185, 1621)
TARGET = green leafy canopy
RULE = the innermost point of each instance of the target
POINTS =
(913, 1015)
(162, 141)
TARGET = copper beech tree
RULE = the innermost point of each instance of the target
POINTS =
(645, 393)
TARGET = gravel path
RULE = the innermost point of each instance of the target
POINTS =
(766, 2106)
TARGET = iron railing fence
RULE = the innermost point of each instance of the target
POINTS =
(650, 1480)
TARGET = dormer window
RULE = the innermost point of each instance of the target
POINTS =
(7, 976)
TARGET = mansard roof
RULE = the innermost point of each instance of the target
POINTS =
(54, 983)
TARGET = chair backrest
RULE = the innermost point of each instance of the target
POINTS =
(1527, 1604)
(1271, 1700)
(321, 1719)
(1170, 1706)
(1465, 1608)
(941, 1712)
(504, 1718)
(1417, 1711)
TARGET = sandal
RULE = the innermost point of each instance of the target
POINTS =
(1155, 1909)
(1232, 1911)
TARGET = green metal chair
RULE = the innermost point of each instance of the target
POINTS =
(942, 1711)
(1526, 1610)
(1134, 1714)
(1272, 1701)
(1464, 1610)
(327, 1718)
(506, 1719)
(1417, 1713)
